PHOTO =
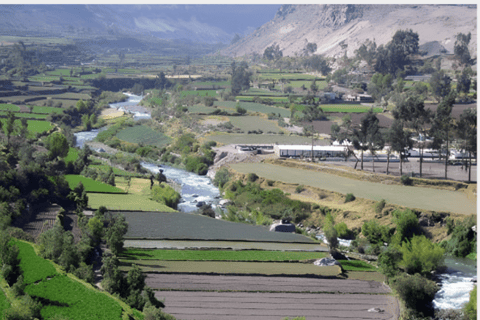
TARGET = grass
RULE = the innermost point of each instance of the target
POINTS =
(259, 138)
(9, 107)
(254, 107)
(220, 255)
(90, 184)
(272, 98)
(26, 115)
(356, 265)
(207, 110)
(200, 93)
(144, 135)
(321, 84)
(34, 267)
(472, 256)
(411, 197)
(346, 108)
(116, 171)
(72, 155)
(289, 76)
(125, 202)
(4, 304)
(250, 123)
(224, 267)
(34, 126)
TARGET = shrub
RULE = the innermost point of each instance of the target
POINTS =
(299, 188)
(406, 180)
(222, 176)
(252, 177)
(166, 195)
(406, 225)
(416, 291)
(471, 306)
(463, 240)
(375, 233)
(349, 197)
(420, 255)
(343, 231)
(380, 205)
(388, 261)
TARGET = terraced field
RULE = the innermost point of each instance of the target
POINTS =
(411, 197)
(125, 202)
(254, 107)
(145, 135)
(250, 123)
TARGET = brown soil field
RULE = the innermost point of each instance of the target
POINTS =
(275, 306)
(263, 284)
(456, 110)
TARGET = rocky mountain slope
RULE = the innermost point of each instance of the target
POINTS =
(339, 28)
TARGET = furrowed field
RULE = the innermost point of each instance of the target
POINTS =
(125, 202)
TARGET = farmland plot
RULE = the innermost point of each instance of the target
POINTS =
(262, 139)
(411, 197)
(254, 107)
(144, 135)
(90, 184)
(125, 202)
(250, 123)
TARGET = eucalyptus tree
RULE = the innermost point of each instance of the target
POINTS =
(467, 131)
(399, 140)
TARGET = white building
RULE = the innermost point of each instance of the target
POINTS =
(295, 151)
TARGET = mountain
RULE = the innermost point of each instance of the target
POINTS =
(332, 27)
(199, 23)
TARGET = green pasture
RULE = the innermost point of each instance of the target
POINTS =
(34, 126)
(44, 78)
(224, 267)
(346, 108)
(9, 107)
(262, 139)
(25, 115)
(125, 202)
(72, 155)
(320, 83)
(203, 109)
(211, 83)
(250, 123)
(356, 265)
(144, 135)
(200, 93)
(185, 226)
(47, 110)
(220, 255)
(262, 92)
(90, 184)
(289, 76)
(254, 107)
(4, 304)
(272, 98)
(116, 171)
(408, 196)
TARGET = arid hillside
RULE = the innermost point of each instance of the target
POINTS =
(339, 28)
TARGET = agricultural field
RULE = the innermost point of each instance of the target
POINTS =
(9, 107)
(125, 202)
(263, 92)
(34, 126)
(408, 196)
(116, 171)
(220, 255)
(356, 265)
(34, 267)
(200, 93)
(254, 107)
(288, 76)
(184, 226)
(90, 184)
(72, 155)
(203, 109)
(262, 139)
(272, 98)
(344, 108)
(211, 83)
(320, 83)
(48, 110)
(251, 123)
(144, 135)
(25, 115)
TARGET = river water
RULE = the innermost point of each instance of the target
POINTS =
(456, 281)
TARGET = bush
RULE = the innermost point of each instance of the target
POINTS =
(406, 225)
(406, 180)
(349, 197)
(388, 261)
(343, 231)
(299, 188)
(380, 205)
(252, 177)
(416, 291)
(420, 255)
(166, 195)
(471, 306)
(222, 176)
(375, 233)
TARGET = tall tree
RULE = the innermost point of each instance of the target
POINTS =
(461, 47)
(467, 131)
(399, 140)
(273, 52)
(240, 77)
(57, 145)
(393, 57)
(10, 125)
(443, 125)
(380, 86)
(374, 140)
(464, 81)
(440, 84)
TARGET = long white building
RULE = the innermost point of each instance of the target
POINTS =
(294, 151)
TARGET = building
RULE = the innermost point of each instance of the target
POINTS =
(297, 151)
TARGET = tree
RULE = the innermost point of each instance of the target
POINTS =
(9, 125)
(399, 140)
(117, 228)
(311, 47)
(388, 261)
(393, 57)
(443, 125)
(461, 47)
(373, 138)
(471, 306)
(330, 233)
(440, 84)
(57, 145)
(272, 52)
(240, 77)
(222, 176)
(380, 86)
(420, 255)
(416, 291)
(367, 52)
(464, 81)
(467, 131)
(406, 226)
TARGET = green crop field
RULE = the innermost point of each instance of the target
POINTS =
(272, 98)
(125, 202)
(144, 135)
(72, 300)
(347, 108)
(44, 78)
(356, 265)
(262, 139)
(25, 115)
(262, 92)
(183, 226)
(220, 255)
(224, 267)
(320, 83)
(47, 110)
(34, 268)
(200, 93)
(254, 107)
(72, 155)
(249, 123)
(90, 184)
(411, 197)
(34, 126)
(289, 76)
(9, 107)
(116, 171)
(203, 109)
(211, 83)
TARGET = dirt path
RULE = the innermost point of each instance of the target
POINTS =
(412, 197)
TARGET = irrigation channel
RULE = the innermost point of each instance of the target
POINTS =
(456, 281)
